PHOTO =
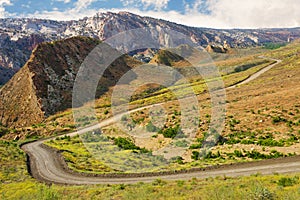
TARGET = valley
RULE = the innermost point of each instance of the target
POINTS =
(155, 126)
(207, 162)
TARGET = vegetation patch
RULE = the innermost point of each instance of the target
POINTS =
(96, 153)
(126, 144)
(272, 46)
(172, 132)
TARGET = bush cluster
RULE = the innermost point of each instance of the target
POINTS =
(172, 132)
(126, 144)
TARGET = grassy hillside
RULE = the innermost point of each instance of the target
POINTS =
(263, 117)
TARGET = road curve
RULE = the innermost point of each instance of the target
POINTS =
(257, 74)
(46, 166)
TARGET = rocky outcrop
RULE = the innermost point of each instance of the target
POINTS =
(216, 49)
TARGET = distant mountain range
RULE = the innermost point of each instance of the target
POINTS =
(18, 37)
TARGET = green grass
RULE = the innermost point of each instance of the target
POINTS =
(99, 154)
(12, 162)
(253, 187)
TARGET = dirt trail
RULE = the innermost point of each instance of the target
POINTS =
(257, 74)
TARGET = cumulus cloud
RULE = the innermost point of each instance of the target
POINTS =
(5, 2)
(2, 8)
(83, 4)
(235, 14)
(158, 4)
(145, 4)
(128, 2)
(79, 10)
(200, 13)
(254, 13)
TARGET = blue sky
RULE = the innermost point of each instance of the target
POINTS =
(200, 13)
(31, 6)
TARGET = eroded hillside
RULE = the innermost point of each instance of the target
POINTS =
(44, 85)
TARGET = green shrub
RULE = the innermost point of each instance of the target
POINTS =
(124, 118)
(285, 182)
(275, 154)
(178, 159)
(181, 143)
(278, 119)
(233, 141)
(195, 155)
(159, 182)
(272, 46)
(238, 153)
(172, 132)
(270, 142)
(256, 155)
(180, 183)
(125, 144)
(121, 187)
(151, 128)
(262, 193)
(196, 146)
(138, 121)
(251, 141)
(211, 155)
(293, 138)
(233, 122)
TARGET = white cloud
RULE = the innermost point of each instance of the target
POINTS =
(83, 4)
(254, 13)
(221, 13)
(5, 2)
(80, 10)
(158, 4)
(65, 1)
(236, 14)
(196, 6)
(2, 8)
(128, 2)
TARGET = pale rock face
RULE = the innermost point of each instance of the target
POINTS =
(18, 37)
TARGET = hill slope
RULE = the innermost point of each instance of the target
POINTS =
(44, 85)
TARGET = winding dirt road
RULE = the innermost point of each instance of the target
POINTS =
(45, 165)
(257, 74)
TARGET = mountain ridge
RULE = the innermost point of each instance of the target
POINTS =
(19, 36)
